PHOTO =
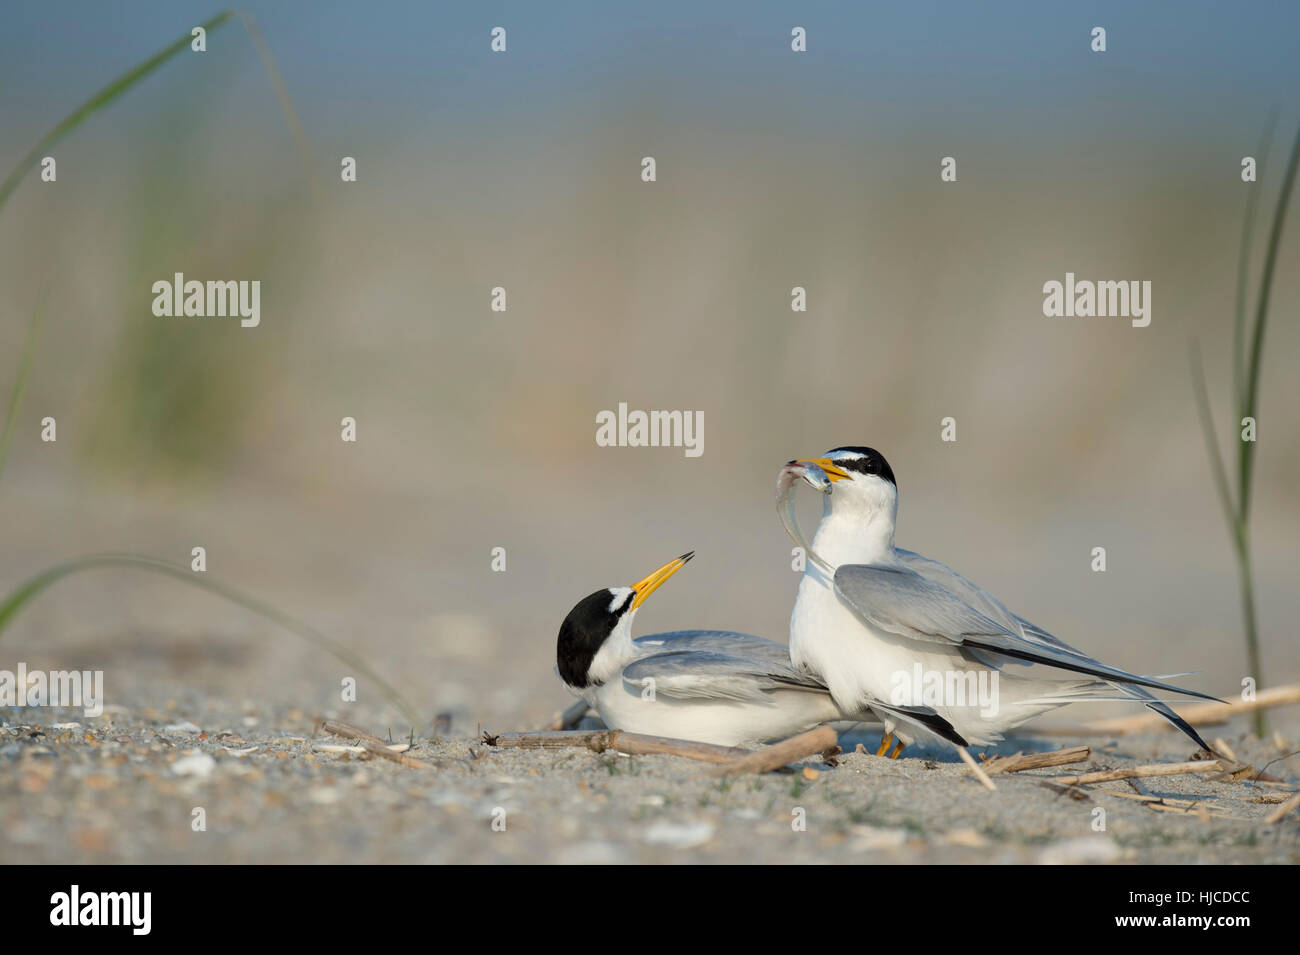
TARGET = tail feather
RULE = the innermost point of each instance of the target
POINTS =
(1080, 693)
(1165, 710)
(1052, 657)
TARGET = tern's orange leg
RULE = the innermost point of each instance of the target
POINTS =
(886, 741)
(898, 750)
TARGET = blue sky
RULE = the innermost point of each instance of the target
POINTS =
(1020, 67)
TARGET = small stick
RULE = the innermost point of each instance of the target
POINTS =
(1138, 787)
(1148, 797)
(1141, 772)
(1270, 799)
(346, 730)
(779, 754)
(376, 748)
(1201, 714)
(1193, 807)
(1019, 763)
(975, 768)
(1280, 813)
(636, 744)
(567, 718)
(371, 744)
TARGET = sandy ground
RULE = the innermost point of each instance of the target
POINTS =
(124, 788)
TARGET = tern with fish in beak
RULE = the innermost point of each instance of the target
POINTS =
(875, 622)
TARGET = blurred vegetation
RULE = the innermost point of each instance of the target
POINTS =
(173, 385)
(1246, 364)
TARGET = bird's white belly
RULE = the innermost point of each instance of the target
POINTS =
(860, 663)
(723, 722)
(828, 640)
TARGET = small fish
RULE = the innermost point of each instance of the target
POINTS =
(812, 474)
(815, 477)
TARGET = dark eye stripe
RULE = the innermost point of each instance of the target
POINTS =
(868, 461)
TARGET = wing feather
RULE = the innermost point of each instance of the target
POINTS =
(710, 675)
(898, 599)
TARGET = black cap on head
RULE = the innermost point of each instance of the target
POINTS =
(583, 632)
(870, 461)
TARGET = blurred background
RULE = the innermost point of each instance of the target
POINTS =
(476, 428)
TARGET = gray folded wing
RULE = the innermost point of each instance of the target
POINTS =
(715, 665)
(979, 599)
(718, 641)
(898, 599)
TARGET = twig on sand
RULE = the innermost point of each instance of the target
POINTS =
(370, 743)
(598, 741)
(346, 730)
(975, 768)
(1189, 807)
(1198, 714)
(1019, 762)
(1141, 772)
(1282, 811)
(1196, 807)
(382, 750)
(1074, 792)
(813, 742)
(568, 718)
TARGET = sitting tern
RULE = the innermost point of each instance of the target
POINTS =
(710, 686)
(868, 615)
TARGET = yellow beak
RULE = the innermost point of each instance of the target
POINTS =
(647, 585)
(827, 465)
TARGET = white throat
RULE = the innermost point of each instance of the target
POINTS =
(615, 653)
(857, 526)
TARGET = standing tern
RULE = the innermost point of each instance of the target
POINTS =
(710, 686)
(876, 623)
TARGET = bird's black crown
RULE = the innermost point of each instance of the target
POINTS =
(583, 633)
(870, 461)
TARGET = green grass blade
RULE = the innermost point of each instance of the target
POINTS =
(34, 586)
(20, 383)
(1212, 446)
(1243, 268)
(1247, 453)
(37, 584)
(296, 130)
(101, 99)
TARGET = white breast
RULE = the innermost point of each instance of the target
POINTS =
(724, 723)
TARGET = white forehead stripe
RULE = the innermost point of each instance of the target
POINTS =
(621, 596)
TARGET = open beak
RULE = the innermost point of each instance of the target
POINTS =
(827, 465)
(647, 585)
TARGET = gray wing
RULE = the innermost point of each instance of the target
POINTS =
(995, 610)
(900, 600)
(980, 599)
(728, 642)
(715, 665)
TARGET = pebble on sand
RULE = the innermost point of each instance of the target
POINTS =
(679, 835)
(195, 764)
